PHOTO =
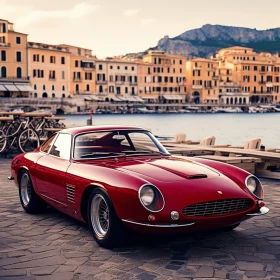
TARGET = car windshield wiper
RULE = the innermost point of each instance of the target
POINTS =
(100, 154)
(142, 152)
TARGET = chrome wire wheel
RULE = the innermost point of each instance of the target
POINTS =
(25, 189)
(100, 216)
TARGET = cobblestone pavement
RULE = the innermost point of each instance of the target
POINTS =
(52, 246)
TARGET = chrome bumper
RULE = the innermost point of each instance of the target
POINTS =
(158, 226)
(264, 210)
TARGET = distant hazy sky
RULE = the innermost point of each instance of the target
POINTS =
(114, 27)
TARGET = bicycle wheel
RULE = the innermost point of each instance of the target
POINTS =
(12, 129)
(28, 140)
(3, 141)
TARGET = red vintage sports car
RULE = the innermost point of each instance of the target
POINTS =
(116, 177)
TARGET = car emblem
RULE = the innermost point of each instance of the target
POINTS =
(219, 192)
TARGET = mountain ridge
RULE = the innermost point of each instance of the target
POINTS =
(207, 40)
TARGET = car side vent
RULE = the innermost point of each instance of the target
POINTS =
(71, 193)
(197, 176)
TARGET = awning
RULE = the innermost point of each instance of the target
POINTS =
(2, 88)
(24, 87)
(172, 97)
(148, 97)
(11, 87)
(116, 99)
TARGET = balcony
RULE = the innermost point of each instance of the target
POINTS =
(229, 84)
(262, 71)
(119, 82)
(52, 78)
(101, 82)
(14, 79)
(208, 86)
(197, 87)
(262, 92)
(5, 45)
(197, 68)
(262, 82)
(215, 77)
(77, 79)
(133, 83)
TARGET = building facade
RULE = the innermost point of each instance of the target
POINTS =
(14, 80)
(162, 77)
(255, 74)
(48, 69)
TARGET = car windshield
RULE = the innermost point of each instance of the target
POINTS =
(116, 143)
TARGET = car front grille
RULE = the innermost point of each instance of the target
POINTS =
(218, 207)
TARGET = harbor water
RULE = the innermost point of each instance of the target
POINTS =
(228, 128)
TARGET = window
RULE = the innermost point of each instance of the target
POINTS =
(44, 87)
(125, 68)
(35, 87)
(19, 73)
(111, 67)
(63, 60)
(4, 29)
(63, 88)
(35, 57)
(126, 89)
(53, 88)
(76, 63)
(4, 72)
(43, 58)
(61, 147)
(52, 59)
(132, 68)
(118, 67)
(53, 95)
(88, 88)
(46, 146)
(18, 56)
(18, 40)
(181, 62)
(63, 75)
(100, 67)
(3, 56)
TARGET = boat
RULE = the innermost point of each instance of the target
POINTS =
(144, 110)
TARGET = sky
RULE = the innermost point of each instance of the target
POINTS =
(117, 27)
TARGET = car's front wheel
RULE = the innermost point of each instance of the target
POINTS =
(30, 201)
(104, 223)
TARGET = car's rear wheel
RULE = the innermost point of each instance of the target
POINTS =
(30, 201)
(104, 223)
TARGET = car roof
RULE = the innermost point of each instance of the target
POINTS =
(80, 129)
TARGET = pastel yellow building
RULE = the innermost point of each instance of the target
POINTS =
(162, 77)
(48, 68)
(14, 80)
(203, 81)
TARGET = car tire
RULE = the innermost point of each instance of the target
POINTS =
(229, 228)
(103, 221)
(30, 201)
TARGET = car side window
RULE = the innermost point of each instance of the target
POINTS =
(46, 146)
(62, 146)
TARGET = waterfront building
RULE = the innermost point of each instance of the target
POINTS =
(81, 71)
(257, 74)
(14, 80)
(48, 69)
(162, 77)
(203, 81)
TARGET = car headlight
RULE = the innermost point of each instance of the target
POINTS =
(254, 185)
(151, 198)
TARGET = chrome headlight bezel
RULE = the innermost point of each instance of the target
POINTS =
(157, 198)
(258, 192)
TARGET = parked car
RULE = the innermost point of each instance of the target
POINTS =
(121, 177)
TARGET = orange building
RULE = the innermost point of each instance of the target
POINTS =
(203, 81)
(14, 80)
(257, 74)
(162, 77)
(82, 71)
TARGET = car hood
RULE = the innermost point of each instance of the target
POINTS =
(167, 170)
